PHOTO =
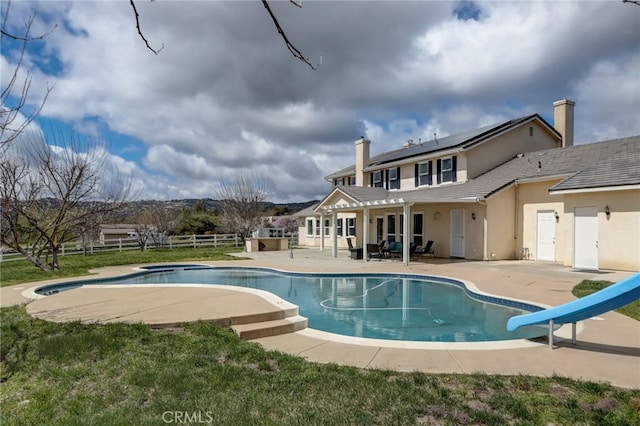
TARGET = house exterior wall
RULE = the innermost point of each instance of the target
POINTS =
(533, 198)
(618, 235)
(501, 226)
(505, 147)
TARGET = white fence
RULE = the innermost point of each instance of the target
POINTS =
(124, 244)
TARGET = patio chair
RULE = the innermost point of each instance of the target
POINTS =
(374, 251)
(356, 252)
(419, 251)
(394, 249)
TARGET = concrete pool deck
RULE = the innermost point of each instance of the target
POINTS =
(607, 349)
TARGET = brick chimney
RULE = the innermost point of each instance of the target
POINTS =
(362, 159)
(563, 120)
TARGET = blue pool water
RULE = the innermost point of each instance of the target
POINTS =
(382, 306)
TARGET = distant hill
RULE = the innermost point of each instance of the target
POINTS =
(130, 209)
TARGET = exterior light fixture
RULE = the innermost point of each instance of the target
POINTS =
(473, 215)
(607, 211)
(556, 215)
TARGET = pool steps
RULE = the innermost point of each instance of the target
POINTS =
(256, 330)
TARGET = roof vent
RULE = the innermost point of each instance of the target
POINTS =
(409, 143)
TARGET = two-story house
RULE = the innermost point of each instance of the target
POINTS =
(517, 189)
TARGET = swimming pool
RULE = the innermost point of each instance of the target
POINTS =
(382, 306)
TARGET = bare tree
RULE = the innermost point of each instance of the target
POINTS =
(289, 223)
(294, 50)
(155, 223)
(242, 201)
(54, 187)
(15, 113)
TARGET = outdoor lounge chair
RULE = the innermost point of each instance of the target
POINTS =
(356, 252)
(419, 251)
(374, 251)
(394, 249)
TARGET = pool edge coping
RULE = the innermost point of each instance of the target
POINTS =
(564, 332)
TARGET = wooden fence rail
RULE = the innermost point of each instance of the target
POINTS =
(124, 244)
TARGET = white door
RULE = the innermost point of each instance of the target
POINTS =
(585, 237)
(457, 233)
(546, 235)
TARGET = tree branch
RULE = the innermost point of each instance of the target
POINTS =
(294, 51)
(135, 11)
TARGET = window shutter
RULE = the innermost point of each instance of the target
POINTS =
(398, 175)
(371, 179)
(386, 178)
(454, 163)
(430, 172)
(416, 179)
(439, 171)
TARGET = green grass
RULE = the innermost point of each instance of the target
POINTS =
(76, 373)
(18, 272)
(588, 287)
(112, 374)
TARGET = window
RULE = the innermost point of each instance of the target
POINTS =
(309, 227)
(447, 169)
(391, 228)
(317, 227)
(339, 181)
(394, 178)
(339, 230)
(351, 226)
(417, 229)
(352, 180)
(327, 227)
(376, 179)
(530, 130)
(379, 228)
(423, 174)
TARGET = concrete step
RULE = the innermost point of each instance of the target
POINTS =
(270, 328)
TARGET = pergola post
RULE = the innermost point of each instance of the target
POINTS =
(365, 233)
(321, 231)
(334, 232)
(406, 220)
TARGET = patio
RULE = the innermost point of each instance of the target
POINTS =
(608, 347)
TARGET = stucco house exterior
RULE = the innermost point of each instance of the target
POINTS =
(519, 189)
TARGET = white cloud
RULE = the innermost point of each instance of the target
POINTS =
(224, 96)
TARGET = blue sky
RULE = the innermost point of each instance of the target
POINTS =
(224, 96)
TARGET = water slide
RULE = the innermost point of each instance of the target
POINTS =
(607, 299)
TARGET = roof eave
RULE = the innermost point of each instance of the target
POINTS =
(594, 189)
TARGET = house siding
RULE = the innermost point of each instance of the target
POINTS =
(501, 228)
(618, 235)
(532, 198)
(505, 147)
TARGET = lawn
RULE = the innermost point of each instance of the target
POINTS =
(587, 287)
(131, 374)
(76, 373)
(17, 272)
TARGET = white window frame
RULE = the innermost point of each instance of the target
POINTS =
(327, 227)
(340, 228)
(391, 236)
(309, 227)
(394, 181)
(449, 170)
(413, 227)
(377, 183)
(317, 228)
(352, 180)
(351, 226)
(424, 175)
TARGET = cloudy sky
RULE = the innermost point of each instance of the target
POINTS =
(224, 95)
